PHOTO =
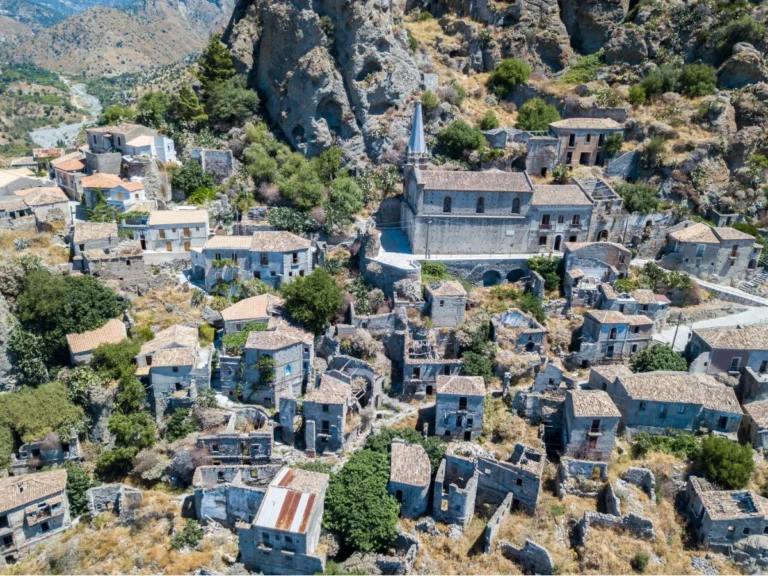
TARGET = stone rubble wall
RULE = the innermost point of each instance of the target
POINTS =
(492, 528)
(533, 559)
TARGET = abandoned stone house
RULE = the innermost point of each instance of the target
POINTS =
(219, 162)
(612, 336)
(81, 346)
(47, 203)
(120, 499)
(284, 536)
(15, 214)
(252, 444)
(588, 265)
(723, 517)
(718, 350)
(446, 302)
(520, 475)
(428, 353)
(607, 221)
(755, 424)
(94, 236)
(257, 309)
(640, 301)
(551, 375)
(516, 330)
(459, 407)
(453, 500)
(656, 402)
(183, 231)
(591, 420)
(49, 451)
(229, 494)
(410, 476)
(715, 254)
(33, 508)
(124, 263)
(325, 415)
(274, 257)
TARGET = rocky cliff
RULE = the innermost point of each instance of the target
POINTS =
(328, 71)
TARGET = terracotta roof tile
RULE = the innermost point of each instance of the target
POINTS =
(87, 231)
(644, 296)
(177, 336)
(587, 123)
(732, 234)
(174, 357)
(104, 181)
(758, 411)
(681, 387)
(278, 241)
(607, 316)
(486, 181)
(254, 308)
(73, 165)
(700, 233)
(748, 337)
(593, 403)
(164, 217)
(330, 391)
(111, 333)
(18, 491)
(228, 243)
(270, 340)
(556, 195)
(447, 288)
(409, 464)
(461, 385)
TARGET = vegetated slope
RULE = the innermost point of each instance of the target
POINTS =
(110, 41)
(38, 14)
(11, 29)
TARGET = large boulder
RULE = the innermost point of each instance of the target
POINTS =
(534, 32)
(627, 45)
(745, 66)
(330, 71)
(591, 23)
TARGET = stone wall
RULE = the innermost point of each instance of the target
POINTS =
(637, 525)
(533, 559)
(220, 162)
(625, 166)
(107, 163)
(492, 528)
(583, 478)
(119, 498)
(389, 210)
(643, 478)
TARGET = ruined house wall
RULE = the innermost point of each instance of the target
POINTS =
(497, 479)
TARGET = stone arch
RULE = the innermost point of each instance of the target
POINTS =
(491, 278)
(515, 275)
(602, 236)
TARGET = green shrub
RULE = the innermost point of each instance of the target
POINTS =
(744, 29)
(116, 361)
(637, 95)
(561, 173)
(550, 268)
(133, 430)
(746, 228)
(530, 304)
(654, 152)
(697, 80)
(662, 79)
(639, 562)
(477, 365)
(507, 75)
(728, 464)
(681, 445)
(613, 144)
(424, 15)
(313, 299)
(189, 537)
(658, 357)
(206, 333)
(584, 70)
(429, 102)
(458, 137)
(413, 44)
(638, 197)
(78, 483)
(115, 464)
(236, 340)
(180, 425)
(624, 285)
(207, 399)
(489, 121)
(536, 114)
(381, 442)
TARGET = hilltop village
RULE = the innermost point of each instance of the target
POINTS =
(391, 343)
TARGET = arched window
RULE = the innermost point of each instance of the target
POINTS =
(447, 204)
(516, 206)
(480, 205)
(613, 334)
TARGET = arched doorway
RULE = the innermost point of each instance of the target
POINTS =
(558, 242)
(602, 236)
(491, 278)
(515, 275)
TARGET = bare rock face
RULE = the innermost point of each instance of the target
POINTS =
(330, 71)
(628, 45)
(591, 22)
(745, 66)
(7, 324)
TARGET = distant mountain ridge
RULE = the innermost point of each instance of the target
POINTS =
(39, 14)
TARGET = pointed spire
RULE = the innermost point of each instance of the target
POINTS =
(417, 146)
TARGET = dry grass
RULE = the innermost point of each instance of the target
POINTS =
(39, 245)
(165, 308)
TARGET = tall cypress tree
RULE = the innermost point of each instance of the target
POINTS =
(215, 65)
(188, 108)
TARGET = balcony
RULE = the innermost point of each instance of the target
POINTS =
(544, 226)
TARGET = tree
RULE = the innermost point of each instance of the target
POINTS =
(744, 29)
(477, 365)
(27, 357)
(625, 285)
(78, 483)
(80, 381)
(536, 114)
(116, 361)
(381, 442)
(346, 197)
(697, 80)
(131, 397)
(117, 114)
(662, 79)
(300, 183)
(507, 75)
(728, 464)
(215, 65)
(458, 137)
(232, 101)
(489, 121)
(137, 429)
(189, 537)
(191, 177)
(358, 506)
(530, 304)
(658, 357)
(179, 425)
(613, 144)
(115, 464)
(429, 102)
(313, 299)
(328, 164)
(638, 197)
(561, 173)
(550, 268)
(153, 107)
(187, 107)
(637, 95)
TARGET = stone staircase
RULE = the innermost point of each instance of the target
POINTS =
(753, 284)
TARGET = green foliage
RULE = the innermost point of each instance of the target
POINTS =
(215, 66)
(606, 96)
(328, 164)
(550, 268)
(585, 69)
(206, 333)
(746, 228)
(507, 76)
(117, 114)
(232, 101)
(191, 177)
(382, 441)
(153, 108)
(296, 221)
(335, 569)
(358, 506)
(658, 357)
(728, 464)
(697, 80)
(662, 282)
(115, 464)
(413, 43)
(180, 425)
(744, 29)
(489, 121)
(346, 198)
(207, 399)
(54, 306)
(315, 466)
(434, 271)
(477, 365)
(266, 367)
(131, 396)
(458, 137)
(78, 483)
(116, 361)
(201, 196)
(424, 16)
(613, 144)
(561, 173)
(662, 79)
(536, 114)
(300, 182)
(137, 429)
(33, 413)
(638, 197)
(530, 304)
(624, 285)
(429, 102)
(639, 562)
(189, 537)
(80, 381)
(313, 299)
(681, 445)
(637, 95)
(237, 340)
(187, 108)
(28, 357)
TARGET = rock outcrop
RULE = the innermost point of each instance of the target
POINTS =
(591, 23)
(7, 324)
(627, 45)
(745, 66)
(330, 71)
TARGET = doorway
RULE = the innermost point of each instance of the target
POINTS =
(558, 241)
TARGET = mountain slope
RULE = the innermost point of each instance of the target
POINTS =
(39, 14)
(109, 41)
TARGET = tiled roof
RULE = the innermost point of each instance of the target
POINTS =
(228, 243)
(87, 231)
(758, 411)
(644, 296)
(461, 385)
(661, 299)
(447, 288)
(639, 320)
(174, 357)
(330, 391)
(73, 165)
(111, 333)
(278, 241)
(576, 246)
(486, 181)
(124, 250)
(105, 181)
(587, 123)
(556, 195)
(611, 371)
(76, 155)
(748, 337)
(116, 129)
(249, 309)
(681, 387)
(178, 336)
(607, 316)
(270, 340)
(42, 195)
(132, 186)
(145, 140)
(18, 491)
(282, 325)
(593, 403)
(13, 203)
(162, 217)
(576, 273)
(700, 233)
(732, 234)
(409, 464)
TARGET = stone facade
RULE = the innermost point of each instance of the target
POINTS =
(590, 264)
(326, 405)
(455, 491)
(252, 445)
(124, 263)
(409, 478)
(50, 451)
(220, 162)
(427, 354)
(728, 350)
(611, 336)
(520, 475)
(581, 140)
(517, 330)
(645, 302)
(755, 424)
(581, 478)
(447, 302)
(177, 230)
(118, 498)
(459, 407)
(591, 421)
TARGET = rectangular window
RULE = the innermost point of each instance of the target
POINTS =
(763, 366)
(663, 411)
(641, 407)
(4, 522)
(601, 139)
(722, 423)
(264, 259)
(569, 158)
(681, 409)
(542, 240)
(462, 403)
(588, 139)
(571, 140)
(735, 363)
(325, 407)
(295, 257)
(175, 368)
(576, 220)
(162, 233)
(545, 220)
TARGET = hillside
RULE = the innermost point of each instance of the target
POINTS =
(11, 30)
(38, 14)
(108, 41)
